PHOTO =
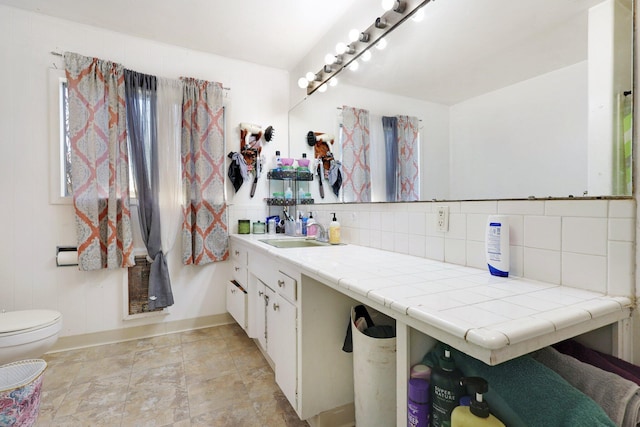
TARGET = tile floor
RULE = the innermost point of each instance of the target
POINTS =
(206, 377)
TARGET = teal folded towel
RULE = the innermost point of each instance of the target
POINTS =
(525, 393)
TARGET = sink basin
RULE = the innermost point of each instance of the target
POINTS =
(293, 243)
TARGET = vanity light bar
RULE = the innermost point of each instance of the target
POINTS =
(392, 18)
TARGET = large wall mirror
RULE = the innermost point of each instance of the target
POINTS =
(516, 99)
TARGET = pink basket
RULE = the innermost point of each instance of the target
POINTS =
(20, 385)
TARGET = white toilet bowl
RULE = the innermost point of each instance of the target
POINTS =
(26, 334)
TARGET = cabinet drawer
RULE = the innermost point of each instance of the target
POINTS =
(239, 255)
(287, 286)
(237, 304)
(239, 273)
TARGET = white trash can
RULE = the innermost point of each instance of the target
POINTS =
(20, 385)
(374, 374)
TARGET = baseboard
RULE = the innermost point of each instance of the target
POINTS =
(343, 416)
(137, 332)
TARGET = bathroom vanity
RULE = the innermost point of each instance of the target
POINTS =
(298, 303)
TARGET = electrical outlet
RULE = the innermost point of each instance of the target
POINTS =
(442, 218)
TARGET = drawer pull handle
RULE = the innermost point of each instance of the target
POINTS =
(233, 291)
(237, 268)
(237, 253)
(260, 293)
(281, 283)
(276, 306)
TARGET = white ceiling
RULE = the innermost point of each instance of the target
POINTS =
(463, 48)
(275, 33)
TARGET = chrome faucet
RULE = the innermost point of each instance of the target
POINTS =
(322, 235)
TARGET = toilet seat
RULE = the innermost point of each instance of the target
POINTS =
(21, 321)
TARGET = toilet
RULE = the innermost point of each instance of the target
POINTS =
(26, 334)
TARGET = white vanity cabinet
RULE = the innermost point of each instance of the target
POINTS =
(273, 318)
(237, 291)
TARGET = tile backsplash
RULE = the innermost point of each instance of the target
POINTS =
(587, 244)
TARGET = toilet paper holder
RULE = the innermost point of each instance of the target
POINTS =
(66, 256)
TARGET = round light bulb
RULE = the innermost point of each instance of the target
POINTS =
(382, 43)
(303, 83)
(341, 48)
(418, 16)
(354, 35)
(354, 65)
(310, 76)
(366, 55)
(329, 58)
(388, 4)
(333, 81)
(322, 88)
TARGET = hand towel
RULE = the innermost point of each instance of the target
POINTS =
(335, 176)
(524, 392)
(620, 398)
(600, 360)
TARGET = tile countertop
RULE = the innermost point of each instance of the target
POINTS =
(493, 319)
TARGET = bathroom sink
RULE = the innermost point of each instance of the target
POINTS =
(293, 243)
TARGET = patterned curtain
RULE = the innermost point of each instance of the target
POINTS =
(205, 235)
(99, 162)
(408, 159)
(356, 183)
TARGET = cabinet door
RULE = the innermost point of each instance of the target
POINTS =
(283, 348)
(237, 304)
(261, 301)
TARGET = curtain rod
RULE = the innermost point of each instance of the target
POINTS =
(59, 54)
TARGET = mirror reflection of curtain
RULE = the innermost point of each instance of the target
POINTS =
(390, 129)
(355, 141)
(627, 138)
(408, 184)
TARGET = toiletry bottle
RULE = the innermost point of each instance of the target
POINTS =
(334, 230)
(288, 194)
(445, 390)
(311, 229)
(418, 403)
(304, 225)
(300, 195)
(497, 245)
(477, 413)
(277, 161)
(299, 225)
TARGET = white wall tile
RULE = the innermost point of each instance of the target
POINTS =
(620, 279)
(387, 240)
(543, 265)
(543, 232)
(457, 226)
(521, 207)
(587, 272)
(400, 223)
(485, 206)
(516, 230)
(476, 254)
(435, 248)
(584, 235)
(417, 245)
(622, 229)
(417, 223)
(594, 208)
(476, 227)
(516, 261)
(455, 251)
(622, 208)
(401, 243)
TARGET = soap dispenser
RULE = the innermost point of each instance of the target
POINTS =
(334, 230)
(477, 414)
